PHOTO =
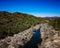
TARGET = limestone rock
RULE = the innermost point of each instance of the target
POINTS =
(50, 38)
(18, 40)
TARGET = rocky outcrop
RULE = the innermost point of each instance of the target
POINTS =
(18, 40)
(50, 38)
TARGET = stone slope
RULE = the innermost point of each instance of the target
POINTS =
(18, 40)
(50, 38)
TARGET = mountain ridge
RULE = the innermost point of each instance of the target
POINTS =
(11, 23)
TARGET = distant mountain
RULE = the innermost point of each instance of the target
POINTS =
(51, 18)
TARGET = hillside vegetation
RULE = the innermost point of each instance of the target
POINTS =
(55, 23)
(11, 23)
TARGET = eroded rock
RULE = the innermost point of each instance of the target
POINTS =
(50, 38)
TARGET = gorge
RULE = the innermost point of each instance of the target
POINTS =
(26, 38)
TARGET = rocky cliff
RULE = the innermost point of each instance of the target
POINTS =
(50, 38)
(18, 40)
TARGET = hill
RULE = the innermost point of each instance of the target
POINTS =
(55, 23)
(11, 23)
(51, 18)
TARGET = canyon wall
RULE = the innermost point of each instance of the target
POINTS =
(18, 40)
(50, 38)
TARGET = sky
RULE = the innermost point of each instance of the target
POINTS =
(40, 8)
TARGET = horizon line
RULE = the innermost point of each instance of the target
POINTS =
(37, 15)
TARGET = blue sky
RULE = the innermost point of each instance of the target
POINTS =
(39, 8)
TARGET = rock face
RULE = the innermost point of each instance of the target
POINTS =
(50, 38)
(18, 40)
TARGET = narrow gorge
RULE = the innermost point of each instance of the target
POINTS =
(39, 36)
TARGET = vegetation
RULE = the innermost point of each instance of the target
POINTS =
(11, 23)
(55, 23)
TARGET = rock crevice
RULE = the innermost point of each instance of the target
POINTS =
(50, 38)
